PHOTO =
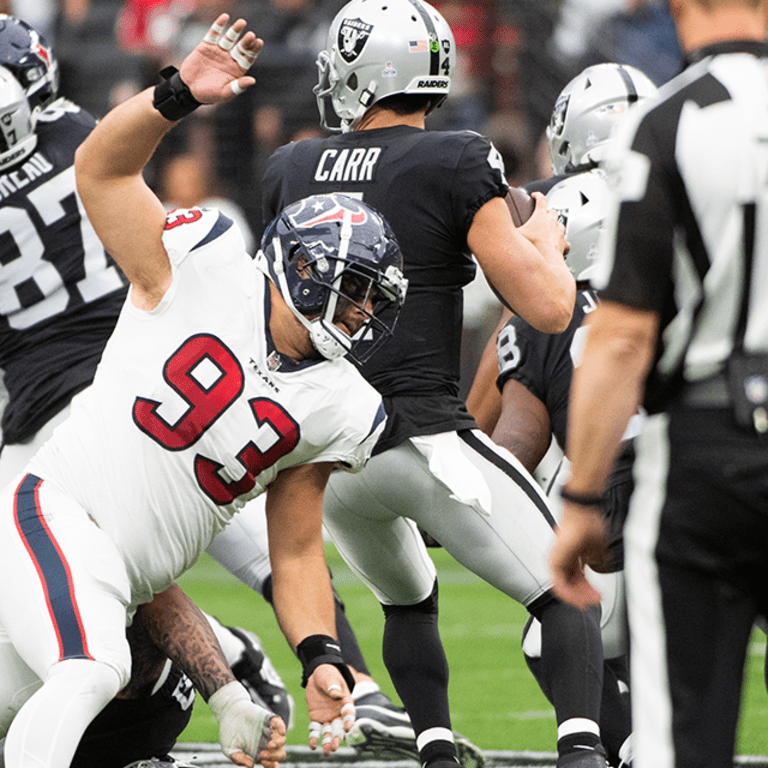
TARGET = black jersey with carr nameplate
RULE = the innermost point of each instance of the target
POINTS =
(60, 293)
(428, 185)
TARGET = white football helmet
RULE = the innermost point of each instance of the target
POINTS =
(17, 122)
(587, 111)
(377, 49)
(581, 200)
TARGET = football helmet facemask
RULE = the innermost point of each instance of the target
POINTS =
(581, 201)
(377, 49)
(329, 250)
(27, 56)
(587, 111)
(17, 122)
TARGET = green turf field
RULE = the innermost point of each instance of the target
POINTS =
(494, 699)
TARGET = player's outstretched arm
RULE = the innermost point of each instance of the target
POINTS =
(525, 265)
(182, 632)
(303, 598)
(126, 214)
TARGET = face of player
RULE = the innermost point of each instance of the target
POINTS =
(355, 304)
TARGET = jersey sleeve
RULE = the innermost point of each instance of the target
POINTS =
(542, 363)
(522, 353)
(360, 442)
(346, 420)
(189, 230)
(479, 177)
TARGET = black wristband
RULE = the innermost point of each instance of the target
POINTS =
(322, 649)
(582, 499)
(173, 99)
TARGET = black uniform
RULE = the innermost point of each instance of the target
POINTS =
(60, 293)
(428, 185)
(543, 363)
(689, 244)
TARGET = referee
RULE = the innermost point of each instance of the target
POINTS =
(683, 330)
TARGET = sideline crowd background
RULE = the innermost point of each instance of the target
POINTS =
(514, 57)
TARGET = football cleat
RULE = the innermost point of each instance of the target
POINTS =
(583, 759)
(383, 729)
(260, 678)
(160, 762)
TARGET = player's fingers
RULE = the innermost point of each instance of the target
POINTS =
(348, 711)
(314, 734)
(246, 50)
(218, 26)
(241, 84)
(240, 758)
(229, 38)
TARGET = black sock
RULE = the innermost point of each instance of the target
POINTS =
(350, 649)
(615, 718)
(571, 660)
(415, 659)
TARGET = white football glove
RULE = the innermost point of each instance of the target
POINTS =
(243, 726)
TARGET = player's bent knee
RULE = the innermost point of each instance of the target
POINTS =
(426, 606)
(541, 603)
(90, 678)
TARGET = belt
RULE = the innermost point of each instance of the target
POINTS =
(708, 393)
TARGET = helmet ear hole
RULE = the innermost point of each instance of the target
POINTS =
(352, 82)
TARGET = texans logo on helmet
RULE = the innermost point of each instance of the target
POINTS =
(353, 34)
(329, 210)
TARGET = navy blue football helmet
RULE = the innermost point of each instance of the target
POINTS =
(24, 52)
(325, 251)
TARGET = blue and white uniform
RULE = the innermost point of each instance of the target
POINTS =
(205, 411)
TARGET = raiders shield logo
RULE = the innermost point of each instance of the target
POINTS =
(557, 121)
(353, 34)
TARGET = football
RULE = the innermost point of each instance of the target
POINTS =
(521, 205)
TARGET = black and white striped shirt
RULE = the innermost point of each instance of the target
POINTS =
(691, 173)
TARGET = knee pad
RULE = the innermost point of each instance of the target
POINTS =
(94, 678)
(427, 606)
(540, 604)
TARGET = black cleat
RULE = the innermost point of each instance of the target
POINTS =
(383, 729)
(260, 678)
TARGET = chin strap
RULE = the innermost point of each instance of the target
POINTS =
(329, 340)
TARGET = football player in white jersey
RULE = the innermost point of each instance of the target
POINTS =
(60, 297)
(224, 378)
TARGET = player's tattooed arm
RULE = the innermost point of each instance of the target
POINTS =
(180, 630)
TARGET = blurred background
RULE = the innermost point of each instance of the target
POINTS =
(514, 57)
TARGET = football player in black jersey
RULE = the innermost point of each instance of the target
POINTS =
(60, 296)
(385, 68)
(535, 372)
(527, 406)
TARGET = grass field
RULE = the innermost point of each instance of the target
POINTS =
(494, 699)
